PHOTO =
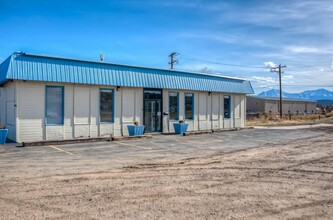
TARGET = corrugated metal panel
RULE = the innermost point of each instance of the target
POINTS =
(54, 69)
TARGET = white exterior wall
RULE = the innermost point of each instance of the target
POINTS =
(81, 111)
(208, 111)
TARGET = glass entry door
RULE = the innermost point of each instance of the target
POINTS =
(153, 110)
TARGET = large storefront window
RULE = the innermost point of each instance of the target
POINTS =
(106, 105)
(54, 105)
(189, 103)
(173, 105)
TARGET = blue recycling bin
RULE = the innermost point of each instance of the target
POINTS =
(135, 130)
(180, 128)
(3, 135)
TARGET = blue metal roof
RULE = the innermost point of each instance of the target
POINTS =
(23, 66)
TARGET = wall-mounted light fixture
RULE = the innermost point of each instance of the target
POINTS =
(118, 88)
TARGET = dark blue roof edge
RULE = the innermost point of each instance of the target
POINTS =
(124, 65)
(4, 68)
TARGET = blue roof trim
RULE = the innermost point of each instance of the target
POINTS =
(24, 66)
(4, 69)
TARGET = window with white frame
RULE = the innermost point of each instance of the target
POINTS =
(106, 106)
(189, 101)
(173, 106)
(227, 106)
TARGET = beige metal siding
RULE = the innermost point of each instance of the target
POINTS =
(81, 115)
(215, 116)
(238, 108)
(30, 111)
(203, 105)
(8, 109)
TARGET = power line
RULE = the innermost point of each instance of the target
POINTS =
(324, 64)
(224, 64)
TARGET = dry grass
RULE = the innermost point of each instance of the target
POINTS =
(274, 120)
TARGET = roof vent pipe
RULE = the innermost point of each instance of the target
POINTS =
(101, 57)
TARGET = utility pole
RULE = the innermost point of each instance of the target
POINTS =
(172, 59)
(279, 71)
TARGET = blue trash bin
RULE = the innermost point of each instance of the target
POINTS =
(135, 130)
(180, 128)
(3, 135)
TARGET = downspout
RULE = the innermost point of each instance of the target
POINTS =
(134, 106)
(233, 110)
(17, 121)
(245, 109)
(198, 116)
(121, 112)
(73, 109)
(89, 111)
(211, 111)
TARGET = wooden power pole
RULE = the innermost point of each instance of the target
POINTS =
(279, 71)
(172, 59)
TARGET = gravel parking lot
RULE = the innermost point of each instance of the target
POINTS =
(256, 173)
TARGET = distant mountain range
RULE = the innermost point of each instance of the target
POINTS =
(319, 94)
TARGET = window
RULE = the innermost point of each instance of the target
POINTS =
(106, 106)
(173, 105)
(189, 106)
(54, 105)
(226, 106)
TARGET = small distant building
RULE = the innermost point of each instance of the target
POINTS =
(270, 105)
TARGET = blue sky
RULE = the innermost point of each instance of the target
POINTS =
(255, 34)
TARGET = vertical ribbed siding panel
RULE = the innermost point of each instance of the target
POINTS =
(128, 79)
(96, 76)
(113, 78)
(92, 78)
(56, 76)
(179, 82)
(146, 80)
(118, 77)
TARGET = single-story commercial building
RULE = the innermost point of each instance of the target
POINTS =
(52, 98)
(271, 105)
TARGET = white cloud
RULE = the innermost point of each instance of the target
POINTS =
(268, 80)
(295, 33)
(302, 49)
(270, 64)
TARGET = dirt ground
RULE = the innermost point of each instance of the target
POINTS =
(284, 181)
(271, 120)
